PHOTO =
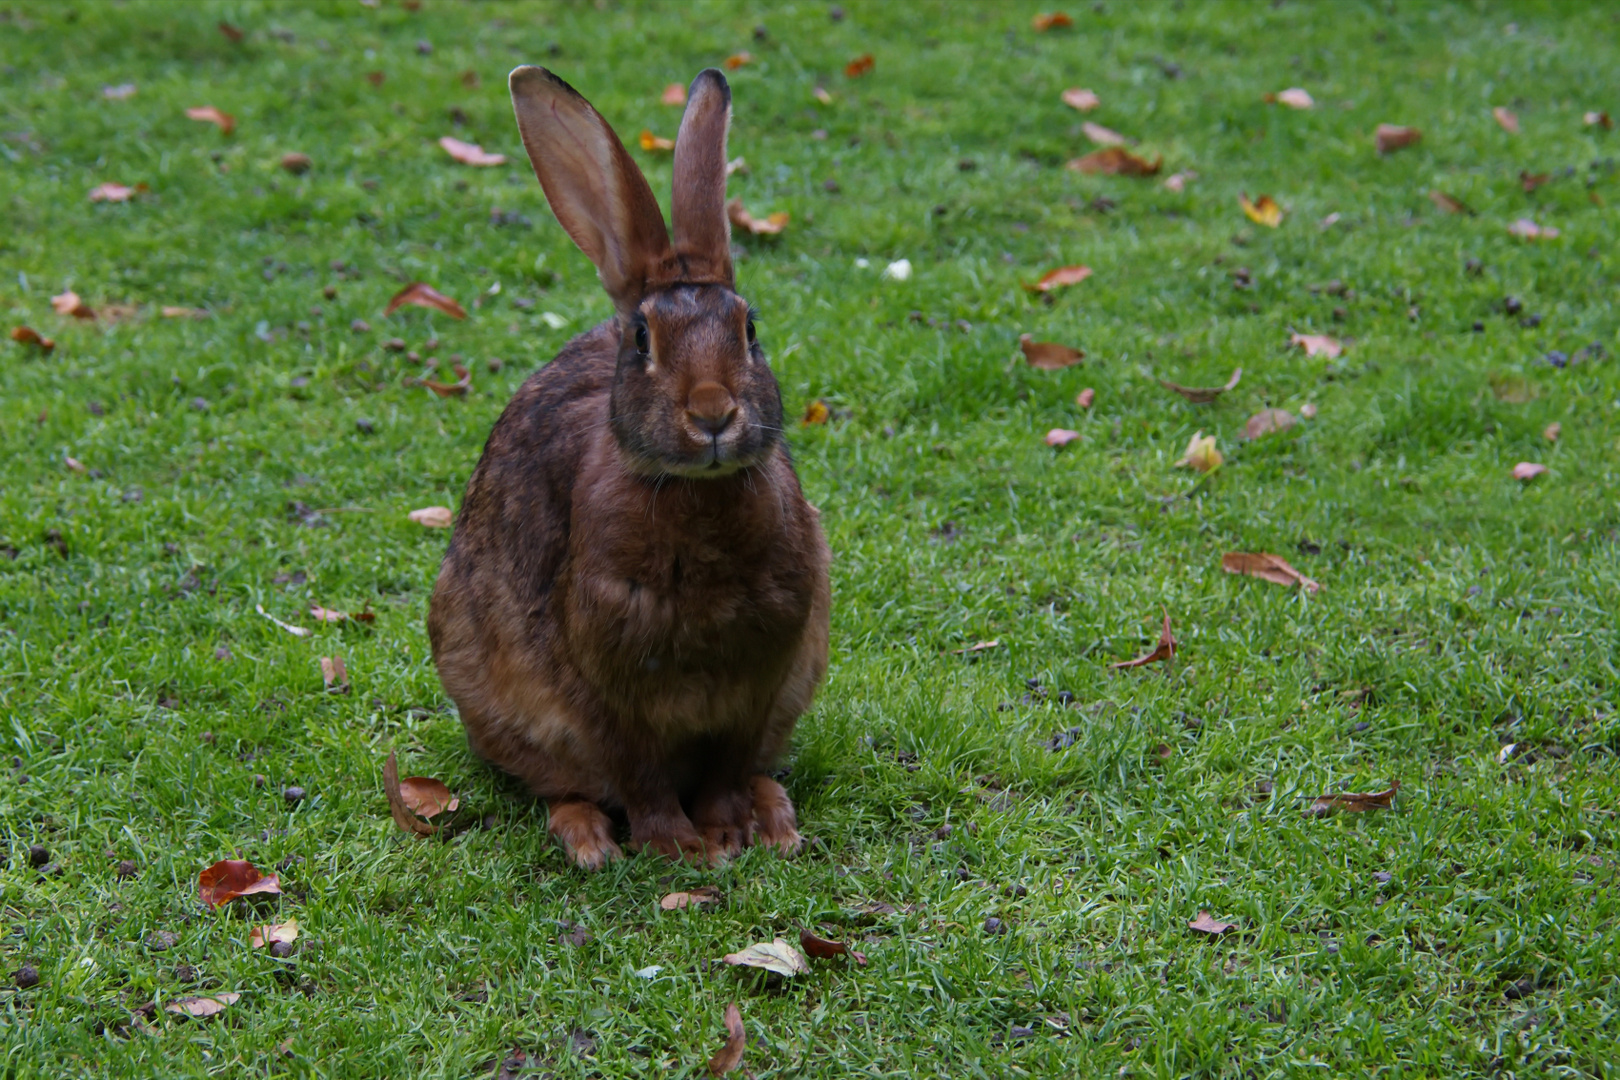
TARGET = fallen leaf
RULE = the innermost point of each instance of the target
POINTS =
(1054, 21)
(1354, 802)
(1262, 211)
(1266, 421)
(322, 614)
(1202, 395)
(377, 78)
(1273, 568)
(815, 413)
(1390, 138)
(111, 192)
(1529, 181)
(1085, 397)
(296, 163)
(1208, 924)
(1527, 229)
(426, 296)
(655, 143)
(821, 94)
(1084, 100)
(260, 936)
(859, 66)
(674, 94)
(210, 115)
(1177, 182)
(1447, 203)
(1293, 97)
(730, 1055)
(1061, 278)
(737, 60)
(1552, 431)
(1597, 119)
(675, 901)
(470, 153)
(1506, 117)
(121, 92)
(334, 675)
(230, 878)
(778, 956)
(1102, 136)
(427, 797)
(443, 389)
(1317, 345)
(1201, 454)
(68, 303)
(169, 311)
(231, 32)
(74, 464)
(1308, 410)
(433, 517)
(976, 647)
(296, 631)
(27, 335)
(201, 1007)
(1528, 470)
(1164, 651)
(396, 802)
(1049, 355)
(740, 218)
(825, 949)
(1061, 437)
(1114, 161)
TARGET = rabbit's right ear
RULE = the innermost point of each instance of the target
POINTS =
(595, 189)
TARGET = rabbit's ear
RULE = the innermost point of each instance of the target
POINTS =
(702, 233)
(594, 188)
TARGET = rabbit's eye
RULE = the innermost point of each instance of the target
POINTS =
(750, 331)
(642, 344)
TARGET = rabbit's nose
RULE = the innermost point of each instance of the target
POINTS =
(711, 407)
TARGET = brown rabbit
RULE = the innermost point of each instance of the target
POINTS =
(633, 610)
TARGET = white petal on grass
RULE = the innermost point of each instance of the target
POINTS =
(899, 270)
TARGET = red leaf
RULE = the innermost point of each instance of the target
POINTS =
(860, 65)
(825, 949)
(230, 878)
(737, 60)
(426, 296)
(1055, 20)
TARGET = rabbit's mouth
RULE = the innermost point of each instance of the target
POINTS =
(713, 461)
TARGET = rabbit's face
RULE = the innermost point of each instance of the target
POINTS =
(693, 395)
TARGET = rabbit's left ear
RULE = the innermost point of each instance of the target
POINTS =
(702, 231)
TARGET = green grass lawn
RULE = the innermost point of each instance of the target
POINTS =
(268, 453)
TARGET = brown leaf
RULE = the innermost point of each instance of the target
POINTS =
(1526, 229)
(1208, 924)
(210, 115)
(469, 79)
(1262, 211)
(427, 797)
(1448, 204)
(674, 94)
(675, 901)
(1061, 278)
(1202, 395)
(1102, 136)
(169, 311)
(1164, 651)
(424, 296)
(1114, 161)
(1056, 20)
(1084, 100)
(443, 389)
(376, 78)
(1201, 454)
(824, 949)
(231, 32)
(1085, 397)
(74, 465)
(296, 163)
(27, 335)
(1266, 421)
(68, 303)
(1552, 431)
(770, 225)
(737, 60)
(1293, 97)
(1598, 119)
(1390, 138)
(1528, 470)
(230, 878)
(323, 614)
(1273, 568)
(730, 1055)
(111, 192)
(1506, 117)
(1530, 181)
(1317, 345)
(777, 956)
(433, 517)
(201, 1007)
(976, 647)
(335, 675)
(859, 66)
(1354, 802)
(470, 153)
(260, 936)
(815, 413)
(1049, 355)
(396, 802)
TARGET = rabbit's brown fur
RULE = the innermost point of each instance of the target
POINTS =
(633, 611)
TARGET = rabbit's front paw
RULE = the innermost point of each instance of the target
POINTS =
(775, 823)
(670, 835)
(585, 831)
(726, 821)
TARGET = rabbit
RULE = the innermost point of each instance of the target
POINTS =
(633, 609)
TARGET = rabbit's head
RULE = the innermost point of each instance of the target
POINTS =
(692, 394)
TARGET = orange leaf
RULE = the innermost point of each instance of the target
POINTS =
(1262, 211)
(69, 304)
(1114, 161)
(674, 94)
(27, 335)
(1317, 345)
(860, 65)
(730, 1055)
(1354, 802)
(675, 901)
(470, 153)
(815, 413)
(1208, 924)
(1061, 437)
(1528, 470)
(260, 936)
(737, 60)
(1390, 138)
(1273, 568)
(230, 878)
(1165, 650)
(426, 296)
(433, 517)
(210, 115)
(1448, 204)
(655, 143)
(1102, 136)
(1506, 117)
(1085, 397)
(770, 225)
(825, 949)
(426, 796)
(1056, 20)
(397, 806)
(1203, 395)
(1060, 278)
(1049, 355)
(1084, 100)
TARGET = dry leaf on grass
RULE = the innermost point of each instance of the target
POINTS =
(1526, 229)
(821, 94)
(269, 933)
(205, 1006)
(296, 163)
(230, 878)
(1084, 100)
(1208, 924)
(1552, 431)
(976, 647)
(68, 303)
(1055, 20)
(1114, 161)
(1061, 437)
(1262, 211)
(730, 1055)
(1354, 802)
(1598, 119)
(1085, 397)
(210, 115)
(674, 94)
(295, 631)
(740, 218)
(401, 811)
(1061, 278)
(422, 295)
(1529, 181)
(74, 465)
(1201, 454)
(335, 675)
(1506, 117)
(121, 92)
(1317, 345)
(1390, 137)
(825, 949)
(433, 517)
(675, 901)
(778, 956)
(110, 192)
(1267, 421)
(1102, 136)
(1049, 355)
(1177, 182)
(737, 60)
(27, 335)
(171, 311)
(443, 389)
(231, 33)
(1447, 203)
(1163, 652)
(1273, 568)
(1293, 97)
(1202, 395)
(859, 66)
(815, 413)
(1528, 470)
(470, 153)
(332, 615)
(427, 797)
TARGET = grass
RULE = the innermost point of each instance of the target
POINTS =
(1471, 931)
